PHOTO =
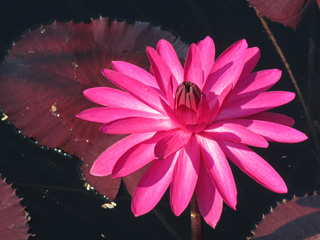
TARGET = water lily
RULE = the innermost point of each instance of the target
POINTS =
(186, 122)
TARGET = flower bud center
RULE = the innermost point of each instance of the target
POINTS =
(187, 99)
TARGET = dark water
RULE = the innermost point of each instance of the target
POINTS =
(50, 183)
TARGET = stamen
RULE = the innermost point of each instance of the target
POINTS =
(188, 96)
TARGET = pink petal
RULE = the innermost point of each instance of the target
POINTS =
(169, 145)
(144, 93)
(254, 104)
(135, 72)
(131, 181)
(218, 169)
(192, 67)
(255, 83)
(271, 131)
(107, 114)
(153, 185)
(170, 113)
(185, 177)
(160, 70)
(236, 133)
(217, 105)
(207, 55)
(254, 166)
(137, 125)
(105, 162)
(196, 127)
(209, 200)
(170, 98)
(138, 156)
(168, 54)
(273, 117)
(251, 59)
(203, 114)
(115, 98)
(227, 68)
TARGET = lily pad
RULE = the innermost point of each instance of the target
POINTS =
(13, 220)
(297, 218)
(287, 12)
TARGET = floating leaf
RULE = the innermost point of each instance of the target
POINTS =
(13, 220)
(43, 79)
(287, 12)
(293, 219)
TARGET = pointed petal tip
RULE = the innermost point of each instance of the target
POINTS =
(176, 211)
(233, 204)
(88, 93)
(135, 212)
(232, 201)
(150, 50)
(105, 72)
(114, 64)
(98, 171)
(244, 43)
(280, 188)
(92, 171)
(78, 115)
(163, 41)
(208, 38)
(81, 115)
(264, 144)
(194, 46)
(303, 137)
(137, 215)
(297, 137)
(211, 224)
(95, 172)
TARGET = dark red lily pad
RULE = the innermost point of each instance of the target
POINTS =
(292, 219)
(45, 73)
(287, 12)
(13, 219)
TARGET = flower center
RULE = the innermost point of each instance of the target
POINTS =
(188, 96)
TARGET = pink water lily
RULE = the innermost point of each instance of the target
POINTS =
(187, 121)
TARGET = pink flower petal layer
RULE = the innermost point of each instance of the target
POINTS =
(227, 68)
(254, 104)
(144, 93)
(271, 131)
(105, 162)
(115, 98)
(254, 166)
(218, 169)
(107, 114)
(137, 125)
(169, 145)
(273, 117)
(168, 54)
(138, 156)
(193, 68)
(207, 55)
(135, 72)
(153, 185)
(255, 83)
(251, 59)
(209, 200)
(185, 177)
(236, 133)
(160, 70)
